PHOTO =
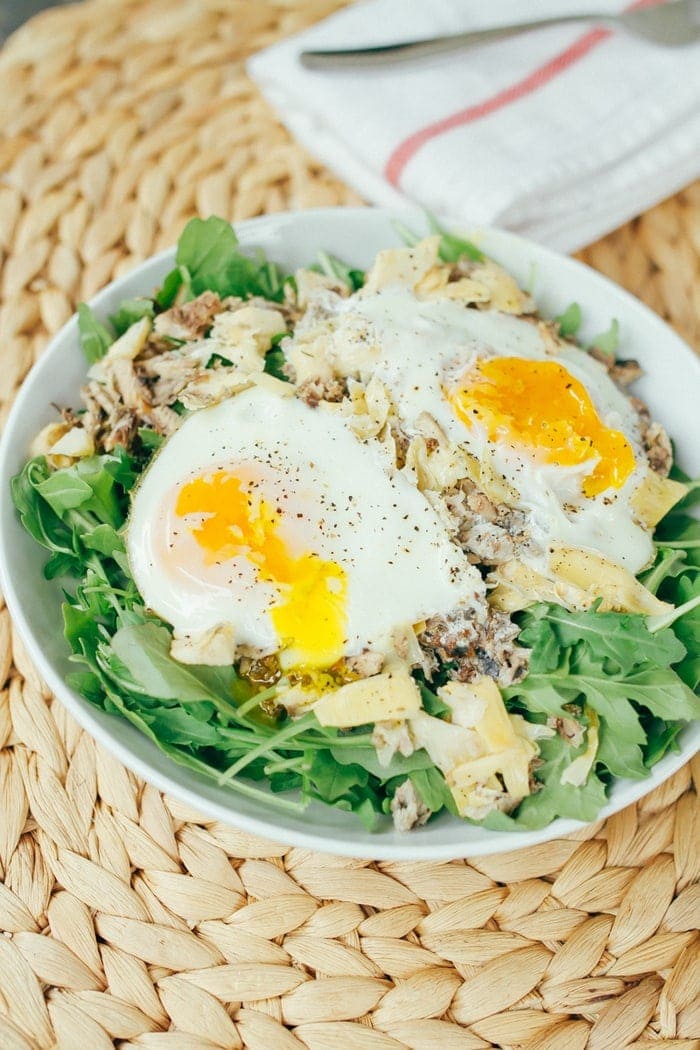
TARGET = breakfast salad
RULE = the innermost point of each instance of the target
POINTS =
(389, 539)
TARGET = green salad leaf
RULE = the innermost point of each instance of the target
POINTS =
(130, 311)
(452, 247)
(679, 531)
(208, 259)
(622, 639)
(333, 267)
(175, 283)
(687, 628)
(607, 342)
(570, 321)
(275, 359)
(95, 340)
(432, 789)
(334, 780)
(669, 564)
(611, 663)
(206, 247)
(150, 439)
(144, 650)
(661, 738)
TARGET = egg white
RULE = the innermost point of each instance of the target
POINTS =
(418, 348)
(335, 498)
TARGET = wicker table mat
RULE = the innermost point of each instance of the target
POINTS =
(129, 919)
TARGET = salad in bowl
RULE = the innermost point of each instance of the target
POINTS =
(383, 531)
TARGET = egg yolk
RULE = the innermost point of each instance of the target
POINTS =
(310, 617)
(540, 405)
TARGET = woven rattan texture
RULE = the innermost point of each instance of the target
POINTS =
(132, 920)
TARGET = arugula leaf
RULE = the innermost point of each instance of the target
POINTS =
(87, 484)
(432, 702)
(366, 757)
(621, 638)
(614, 664)
(95, 340)
(121, 467)
(80, 627)
(678, 531)
(175, 284)
(176, 725)
(452, 247)
(364, 805)
(692, 496)
(208, 259)
(130, 311)
(569, 321)
(687, 628)
(88, 684)
(150, 439)
(64, 490)
(333, 267)
(333, 780)
(274, 364)
(60, 564)
(144, 650)
(205, 246)
(122, 704)
(275, 359)
(621, 739)
(366, 813)
(669, 563)
(271, 279)
(607, 342)
(432, 788)
(105, 539)
(661, 738)
(36, 515)
(218, 359)
(658, 689)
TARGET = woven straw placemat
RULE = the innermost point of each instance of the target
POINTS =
(129, 919)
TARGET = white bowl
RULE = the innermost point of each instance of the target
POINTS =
(670, 385)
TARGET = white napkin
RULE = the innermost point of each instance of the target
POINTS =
(562, 134)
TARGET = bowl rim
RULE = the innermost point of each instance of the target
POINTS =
(265, 826)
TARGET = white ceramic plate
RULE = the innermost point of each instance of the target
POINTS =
(671, 386)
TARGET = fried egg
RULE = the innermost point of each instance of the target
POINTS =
(552, 424)
(266, 524)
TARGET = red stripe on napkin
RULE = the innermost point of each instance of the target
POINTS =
(533, 82)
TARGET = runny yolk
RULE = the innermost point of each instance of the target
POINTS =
(540, 405)
(310, 617)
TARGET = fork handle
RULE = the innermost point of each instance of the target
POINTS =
(390, 54)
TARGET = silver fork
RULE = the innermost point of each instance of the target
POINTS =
(673, 24)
